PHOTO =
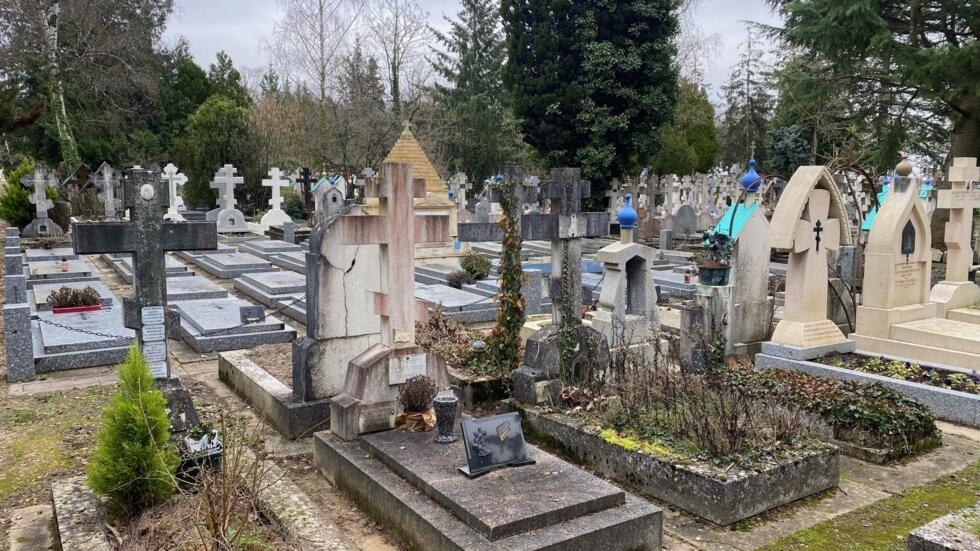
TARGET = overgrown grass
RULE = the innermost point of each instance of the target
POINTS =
(885, 524)
(46, 435)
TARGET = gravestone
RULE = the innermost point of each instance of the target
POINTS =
(685, 220)
(628, 300)
(228, 218)
(329, 194)
(107, 180)
(493, 442)
(956, 290)
(276, 216)
(42, 225)
(367, 403)
(147, 237)
(809, 221)
(175, 203)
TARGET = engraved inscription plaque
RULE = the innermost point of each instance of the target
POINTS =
(492, 442)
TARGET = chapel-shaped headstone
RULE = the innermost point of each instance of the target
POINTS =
(628, 301)
(275, 182)
(750, 306)
(809, 221)
(330, 194)
(228, 218)
(368, 401)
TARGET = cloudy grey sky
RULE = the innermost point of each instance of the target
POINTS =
(239, 27)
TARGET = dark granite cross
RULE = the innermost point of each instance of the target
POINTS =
(306, 181)
(565, 223)
(817, 228)
(147, 237)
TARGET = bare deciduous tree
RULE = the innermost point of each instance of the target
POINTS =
(399, 31)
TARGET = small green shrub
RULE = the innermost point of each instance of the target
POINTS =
(293, 205)
(15, 207)
(416, 394)
(134, 462)
(477, 264)
(456, 279)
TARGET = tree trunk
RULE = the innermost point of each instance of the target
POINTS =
(69, 149)
(966, 130)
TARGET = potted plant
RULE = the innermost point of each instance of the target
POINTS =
(415, 398)
(203, 447)
(714, 261)
(67, 300)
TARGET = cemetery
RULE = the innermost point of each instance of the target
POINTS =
(534, 276)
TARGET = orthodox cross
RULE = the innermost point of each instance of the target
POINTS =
(276, 216)
(39, 197)
(960, 200)
(225, 182)
(147, 237)
(396, 229)
(807, 269)
(564, 226)
(106, 179)
(174, 179)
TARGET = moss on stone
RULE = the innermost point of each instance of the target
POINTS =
(885, 524)
(632, 443)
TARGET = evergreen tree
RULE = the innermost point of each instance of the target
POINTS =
(133, 462)
(901, 53)
(748, 107)
(471, 61)
(689, 144)
(592, 82)
(224, 79)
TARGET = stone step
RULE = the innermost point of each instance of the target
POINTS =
(967, 315)
(941, 333)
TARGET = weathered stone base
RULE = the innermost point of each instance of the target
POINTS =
(272, 399)
(219, 343)
(473, 391)
(951, 405)
(795, 353)
(421, 498)
(953, 532)
(78, 516)
(740, 496)
(916, 351)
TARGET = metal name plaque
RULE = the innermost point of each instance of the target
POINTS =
(154, 333)
(151, 315)
(155, 351)
(158, 370)
(493, 442)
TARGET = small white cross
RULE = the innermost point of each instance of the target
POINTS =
(39, 198)
(173, 178)
(225, 182)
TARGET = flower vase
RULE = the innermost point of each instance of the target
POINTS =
(445, 407)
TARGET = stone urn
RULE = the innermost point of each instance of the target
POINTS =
(445, 407)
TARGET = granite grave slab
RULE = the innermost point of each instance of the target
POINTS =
(230, 266)
(39, 293)
(269, 287)
(194, 287)
(52, 254)
(71, 343)
(216, 325)
(294, 261)
(122, 264)
(265, 248)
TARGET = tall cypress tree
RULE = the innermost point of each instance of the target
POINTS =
(470, 60)
(592, 81)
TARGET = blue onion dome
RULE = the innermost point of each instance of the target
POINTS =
(627, 216)
(499, 178)
(452, 194)
(751, 181)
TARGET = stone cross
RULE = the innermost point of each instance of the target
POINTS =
(39, 198)
(225, 182)
(396, 229)
(807, 271)
(176, 202)
(564, 226)
(276, 216)
(305, 181)
(107, 180)
(147, 237)
(961, 200)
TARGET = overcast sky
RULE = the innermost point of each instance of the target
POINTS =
(238, 27)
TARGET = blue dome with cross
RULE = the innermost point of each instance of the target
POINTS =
(627, 215)
(751, 180)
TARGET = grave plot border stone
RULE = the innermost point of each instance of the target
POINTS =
(287, 261)
(950, 405)
(271, 398)
(273, 331)
(422, 523)
(213, 291)
(192, 256)
(261, 293)
(951, 532)
(267, 248)
(33, 254)
(118, 265)
(722, 502)
(78, 515)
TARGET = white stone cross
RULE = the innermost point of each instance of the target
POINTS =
(806, 275)
(39, 198)
(173, 178)
(276, 216)
(106, 180)
(225, 182)
(960, 200)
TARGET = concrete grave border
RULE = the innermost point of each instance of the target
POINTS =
(722, 502)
